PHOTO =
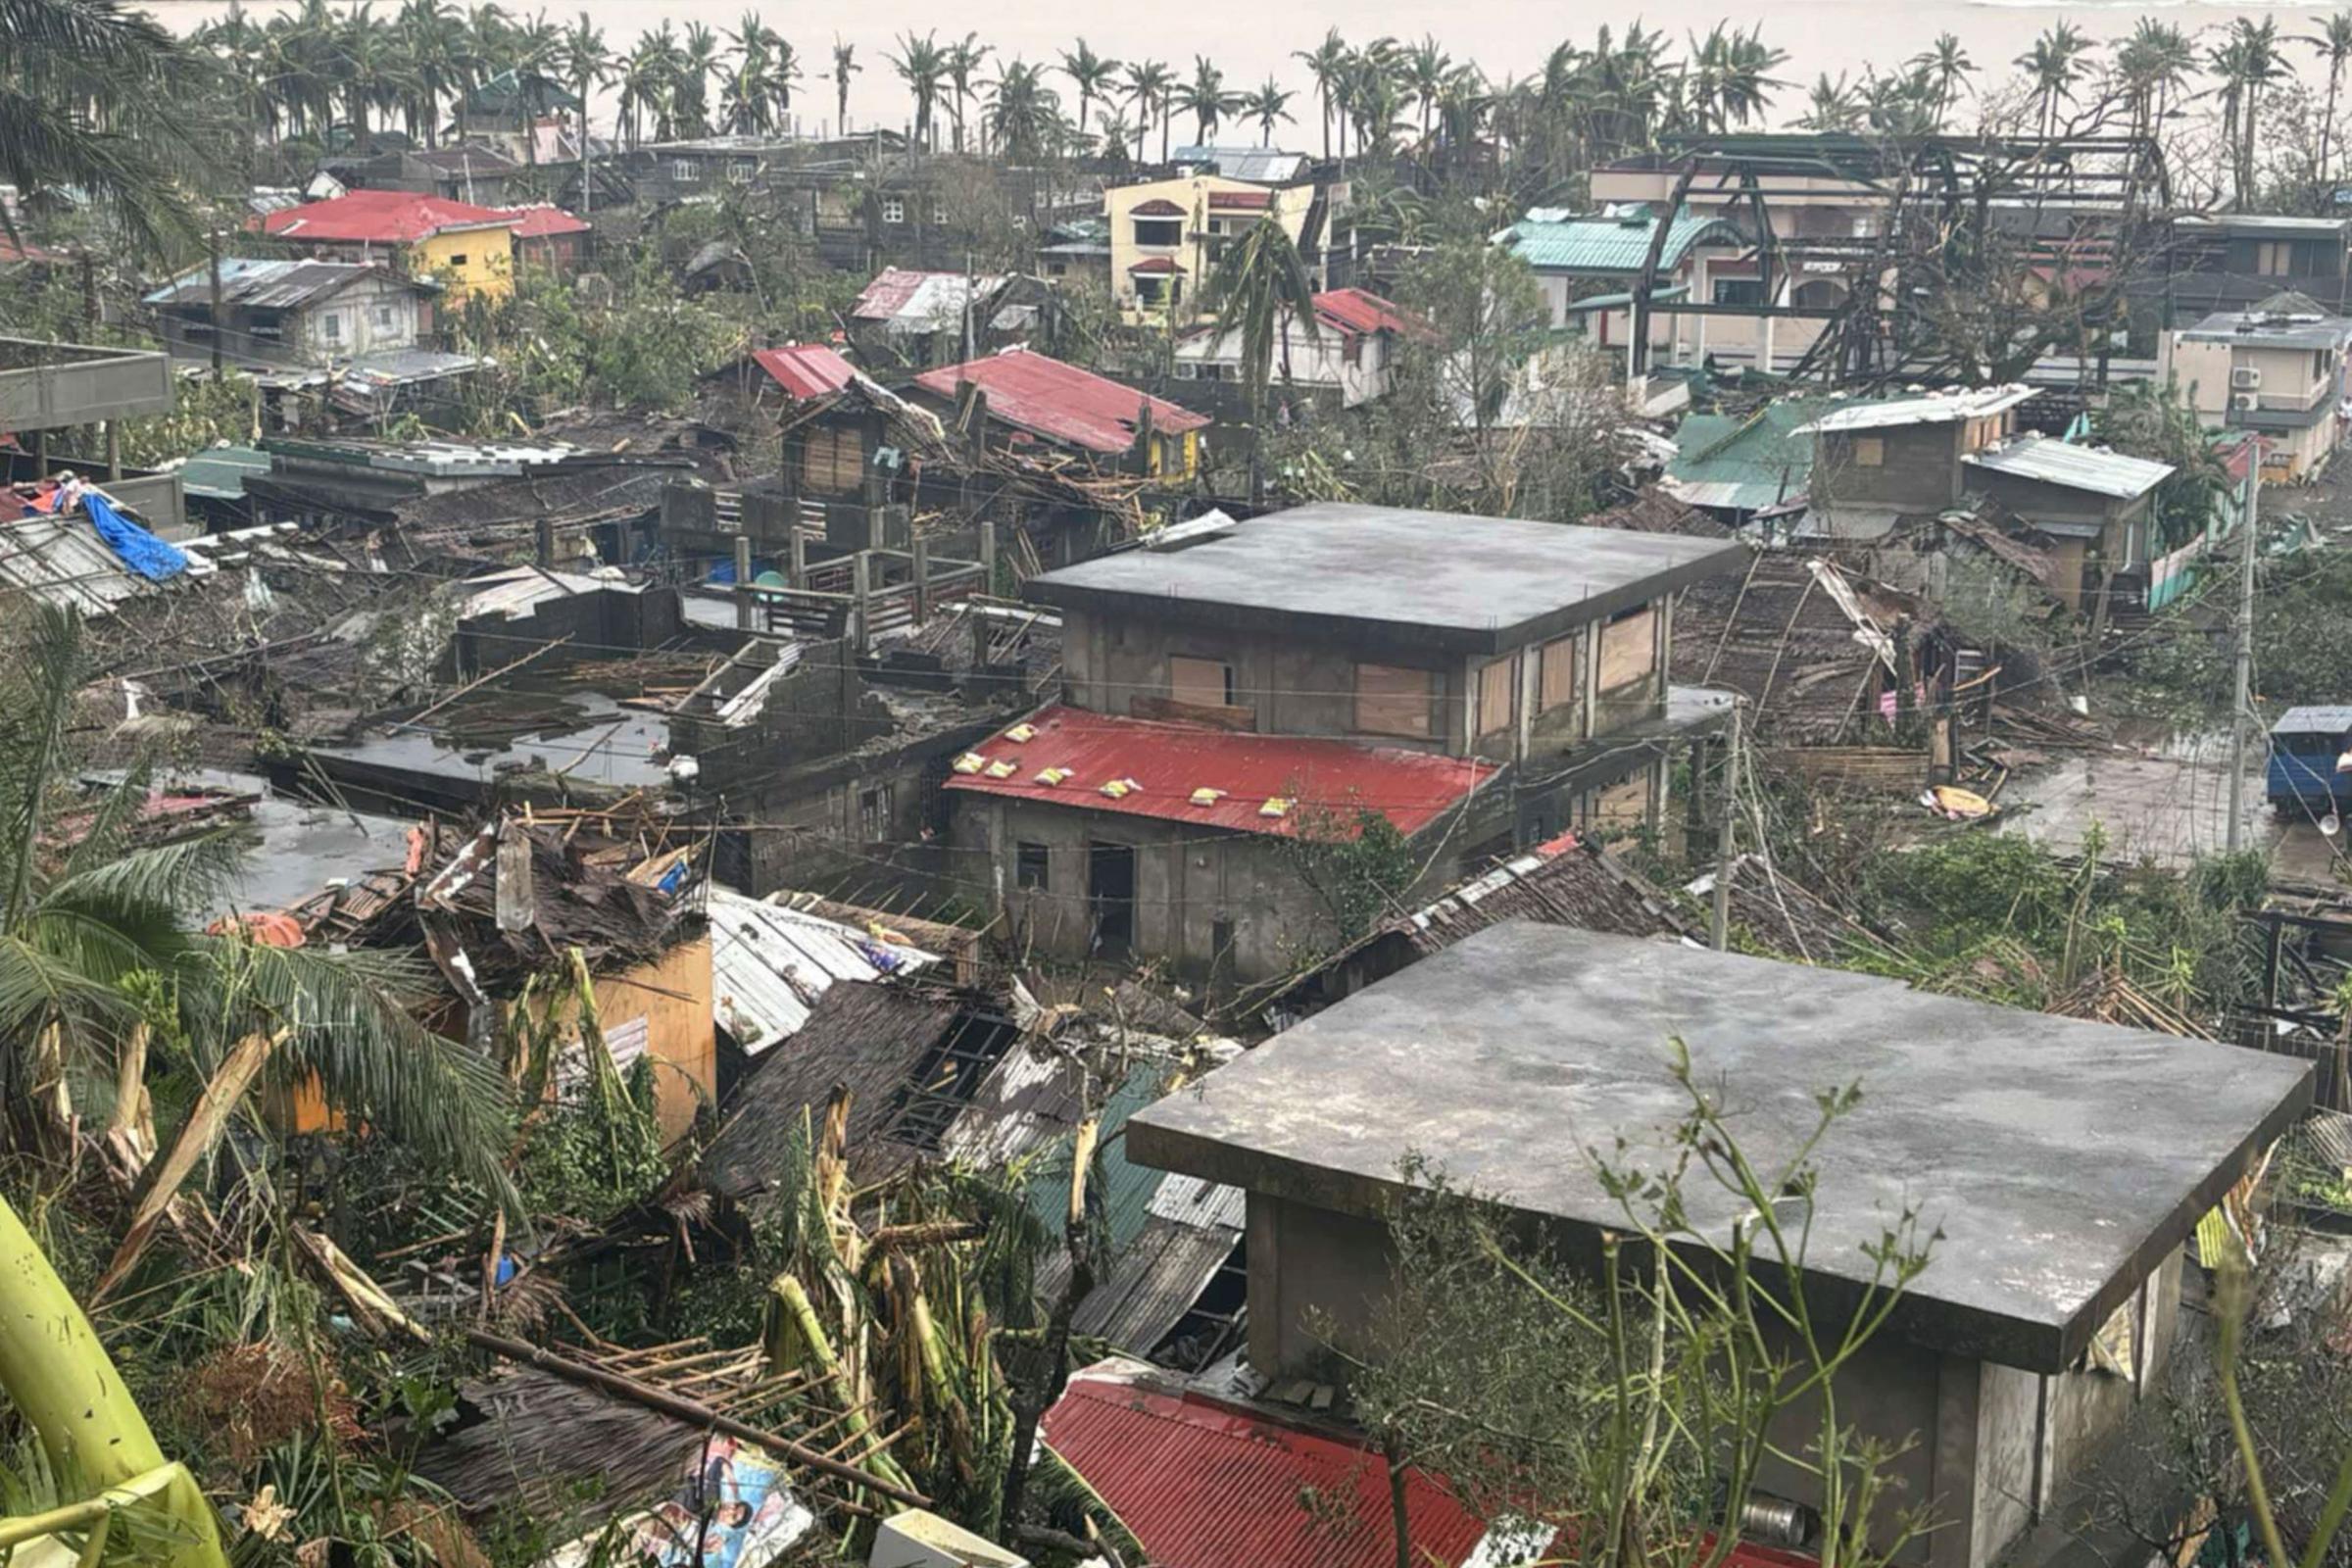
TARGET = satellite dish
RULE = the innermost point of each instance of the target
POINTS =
(2332, 824)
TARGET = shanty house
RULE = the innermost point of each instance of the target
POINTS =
(2278, 371)
(2059, 1166)
(548, 237)
(1346, 349)
(1021, 398)
(301, 313)
(2096, 507)
(1874, 463)
(1263, 685)
(470, 249)
(913, 320)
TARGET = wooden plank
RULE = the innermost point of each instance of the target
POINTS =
(1170, 711)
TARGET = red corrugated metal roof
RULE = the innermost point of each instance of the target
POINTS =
(804, 370)
(1240, 197)
(542, 220)
(1353, 309)
(886, 295)
(378, 217)
(1060, 401)
(1167, 762)
(1156, 206)
(1204, 1485)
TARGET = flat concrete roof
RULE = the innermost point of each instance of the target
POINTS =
(1448, 579)
(2062, 1160)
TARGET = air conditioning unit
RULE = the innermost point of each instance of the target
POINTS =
(2245, 379)
(2245, 403)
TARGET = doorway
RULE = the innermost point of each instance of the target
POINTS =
(1110, 898)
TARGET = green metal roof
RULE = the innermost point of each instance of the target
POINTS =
(218, 474)
(1745, 463)
(1610, 245)
(1125, 1189)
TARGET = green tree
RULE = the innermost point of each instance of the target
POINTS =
(1206, 98)
(1269, 104)
(845, 66)
(1259, 288)
(1327, 63)
(1022, 111)
(1150, 84)
(1090, 74)
(2333, 41)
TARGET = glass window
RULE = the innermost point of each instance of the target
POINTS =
(1738, 292)
(1393, 701)
(332, 323)
(894, 209)
(1159, 233)
(1032, 866)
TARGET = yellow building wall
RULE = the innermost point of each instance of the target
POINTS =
(1289, 207)
(672, 996)
(471, 262)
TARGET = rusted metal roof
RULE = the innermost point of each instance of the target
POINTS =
(542, 221)
(1203, 1484)
(1355, 310)
(805, 370)
(271, 283)
(922, 302)
(1161, 770)
(1039, 393)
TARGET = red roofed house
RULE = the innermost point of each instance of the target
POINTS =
(1477, 684)
(1034, 398)
(1346, 350)
(547, 237)
(470, 249)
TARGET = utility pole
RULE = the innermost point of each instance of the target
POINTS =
(2242, 698)
(213, 255)
(1719, 921)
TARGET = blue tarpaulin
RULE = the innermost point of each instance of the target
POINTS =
(142, 551)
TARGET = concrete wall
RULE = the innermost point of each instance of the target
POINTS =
(45, 385)
(1197, 246)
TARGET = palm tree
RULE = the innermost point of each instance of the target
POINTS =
(963, 60)
(2333, 41)
(1829, 106)
(1267, 105)
(1150, 86)
(1947, 65)
(845, 66)
(1206, 98)
(2051, 64)
(85, 89)
(2154, 63)
(1327, 63)
(1113, 135)
(2247, 60)
(697, 62)
(923, 67)
(587, 66)
(1090, 72)
(86, 931)
(1425, 70)
(1022, 111)
(1259, 286)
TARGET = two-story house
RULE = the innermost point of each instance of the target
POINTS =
(2277, 369)
(279, 311)
(1345, 350)
(470, 249)
(1166, 235)
(1481, 683)
(2056, 1169)
(1587, 265)
(2234, 260)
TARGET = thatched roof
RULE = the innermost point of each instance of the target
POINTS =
(530, 1442)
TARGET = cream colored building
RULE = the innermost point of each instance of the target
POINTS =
(1166, 237)
(2279, 373)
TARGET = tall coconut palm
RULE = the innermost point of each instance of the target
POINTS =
(2247, 63)
(923, 67)
(1022, 111)
(2333, 41)
(1425, 67)
(1327, 63)
(962, 61)
(699, 49)
(1831, 106)
(1206, 98)
(1150, 86)
(87, 96)
(2154, 63)
(1947, 66)
(587, 66)
(90, 919)
(1259, 286)
(1269, 104)
(2053, 66)
(845, 66)
(1090, 74)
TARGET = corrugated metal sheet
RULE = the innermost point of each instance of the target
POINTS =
(542, 221)
(913, 300)
(62, 561)
(768, 964)
(805, 370)
(1266, 166)
(2075, 468)
(1165, 763)
(1945, 408)
(1355, 310)
(269, 284)
(1204, 1485)
(1151, 1284)
(1194, 1200)
(1059, 402)
(379, 218)
(1743, 464)
(1611, 245)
